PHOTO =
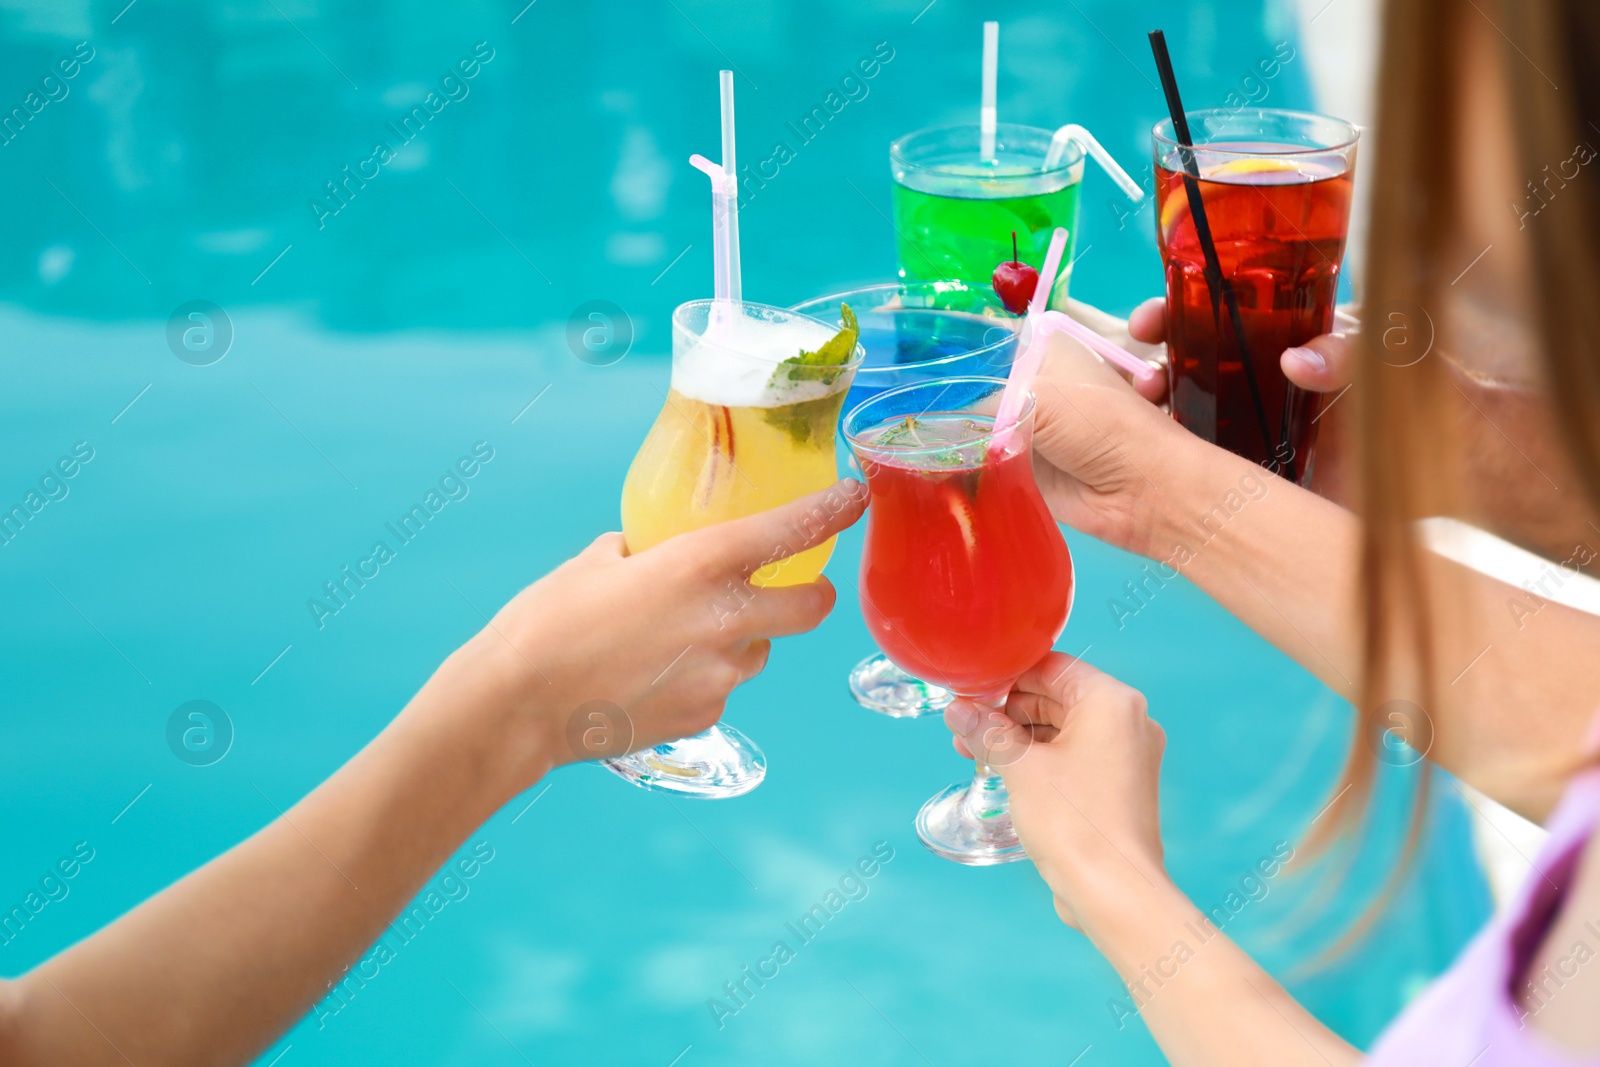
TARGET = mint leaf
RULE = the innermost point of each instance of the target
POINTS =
(822, 365)
(811, 420)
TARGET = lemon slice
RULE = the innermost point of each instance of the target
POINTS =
(1251, 165)
(1177, 200)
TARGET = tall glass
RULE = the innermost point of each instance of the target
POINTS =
(954, 212)
(1276, 187)
(965, 578)
(741, 432)
(912, 332)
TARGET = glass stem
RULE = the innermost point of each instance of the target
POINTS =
(987, 796)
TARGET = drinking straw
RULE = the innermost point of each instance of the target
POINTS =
(1073, 132)
(1026, 366)
(731, 169)
(1218, 284)
(1047, 276)
(1040, 324)
(988, 116)
(1059, 322)
(724, 209)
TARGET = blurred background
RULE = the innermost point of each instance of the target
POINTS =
(370, 315)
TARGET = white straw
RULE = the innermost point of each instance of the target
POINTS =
(988, 117)
(726, 280)
(1073, 132)
(731, 181)
(724, 212)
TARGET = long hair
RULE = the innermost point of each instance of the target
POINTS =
(1410, 408)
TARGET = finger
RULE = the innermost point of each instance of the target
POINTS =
(987, 733)
(1152, 387)
(960, 747)
(1148, 323)
(743, 546)
(1323, 364)
(782, 611)
(1045, 678)
(1068, 360)
(753, 660)
(1031, 709)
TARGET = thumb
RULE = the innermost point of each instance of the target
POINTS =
(1148, 322)
(1324, 364)
(987, 733)
(745, 545)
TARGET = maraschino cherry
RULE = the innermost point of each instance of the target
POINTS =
(1015, 282)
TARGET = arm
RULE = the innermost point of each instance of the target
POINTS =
(211, 970)
(1219, 1008)
(1083, 798)
(1286, 562)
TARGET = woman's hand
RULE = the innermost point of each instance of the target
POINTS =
(1082, 761)
(611, 653)
(1103, 454)
(212, 969)
(1114, 466)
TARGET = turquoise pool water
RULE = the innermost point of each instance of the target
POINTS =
(431, 311)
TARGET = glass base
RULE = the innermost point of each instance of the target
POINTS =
(971, 823)
(878, 685)
(715, 765)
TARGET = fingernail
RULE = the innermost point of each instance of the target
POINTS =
(1310, 357)
(963, 717)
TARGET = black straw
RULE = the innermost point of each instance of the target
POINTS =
(1218, 284)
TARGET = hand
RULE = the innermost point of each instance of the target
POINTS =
(656, 640)
(1115, 467)
(1084, 788)
(1103, 456)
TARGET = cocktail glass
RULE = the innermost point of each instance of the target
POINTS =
(1276, 187)
(914, 331)
(954, 212)
(965, 577)
(741, 431)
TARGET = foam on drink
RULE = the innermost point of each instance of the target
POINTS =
(733, 363)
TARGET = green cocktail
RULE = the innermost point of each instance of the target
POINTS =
(954, 212)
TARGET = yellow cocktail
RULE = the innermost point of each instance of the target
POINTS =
(745, 428)
(749, 424)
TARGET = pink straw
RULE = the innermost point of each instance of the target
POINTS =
(1055, 321)
(1047, 277)
(1026, 366)
(1044, 323)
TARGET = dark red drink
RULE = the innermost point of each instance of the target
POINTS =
(1278, 219)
